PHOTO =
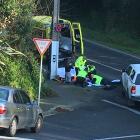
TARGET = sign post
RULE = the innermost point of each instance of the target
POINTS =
(55, 40)
(40, 79)
(42, 45)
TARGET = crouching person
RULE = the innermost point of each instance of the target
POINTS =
(81, 78)
(98, 80)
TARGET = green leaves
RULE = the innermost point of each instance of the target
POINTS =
(17, 65)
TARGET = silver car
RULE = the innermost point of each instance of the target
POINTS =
(17, 111)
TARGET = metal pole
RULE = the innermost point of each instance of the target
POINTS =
(55, 40)
(40, 79)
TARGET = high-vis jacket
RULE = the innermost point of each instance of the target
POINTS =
(80, 63)
(91, 68)
(98, 79)
(82, 73)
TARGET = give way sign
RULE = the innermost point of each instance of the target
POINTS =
(42, 44)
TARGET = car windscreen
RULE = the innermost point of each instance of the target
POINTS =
(4, 93)
(138, 80)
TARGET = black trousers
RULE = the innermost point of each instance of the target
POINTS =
(81, 81)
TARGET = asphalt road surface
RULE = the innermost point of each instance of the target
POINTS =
(105, 117)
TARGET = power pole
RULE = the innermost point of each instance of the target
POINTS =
(55, 40)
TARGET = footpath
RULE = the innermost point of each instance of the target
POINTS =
(66, 97)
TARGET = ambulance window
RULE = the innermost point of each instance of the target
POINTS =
(65, 32)
(77, 34)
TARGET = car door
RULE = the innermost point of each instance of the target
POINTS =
(137, 83)
(130, 82)
(28, 107)
(126, 77)
(20, 111)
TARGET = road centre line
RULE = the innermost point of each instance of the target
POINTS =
(123, 107)
(103, 65)
(121, 137)
(14, 138)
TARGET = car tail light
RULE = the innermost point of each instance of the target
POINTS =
(2, 109)
(133, 90)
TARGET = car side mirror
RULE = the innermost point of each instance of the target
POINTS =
(123, 70)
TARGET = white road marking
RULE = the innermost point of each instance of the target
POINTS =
(121, 137)
(105, 56)
(124, 107)
(104, 65)
(57, 136)
(14, 138)
(113, 49)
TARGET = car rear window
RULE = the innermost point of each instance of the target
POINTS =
(138, 80)
(4, 93)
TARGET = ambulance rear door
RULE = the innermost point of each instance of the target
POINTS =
(77, 39)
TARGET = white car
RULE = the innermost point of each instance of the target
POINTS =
(131, 82)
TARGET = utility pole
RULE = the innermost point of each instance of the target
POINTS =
(55, 40)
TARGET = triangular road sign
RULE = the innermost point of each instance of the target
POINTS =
(42, 44)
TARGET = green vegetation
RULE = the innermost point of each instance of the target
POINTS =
(18, 65)
(115, 23)
(20, 72)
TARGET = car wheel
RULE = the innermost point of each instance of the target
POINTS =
(38, 125)
(11, 131)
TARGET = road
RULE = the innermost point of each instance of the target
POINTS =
(106, 117)
(109, 63)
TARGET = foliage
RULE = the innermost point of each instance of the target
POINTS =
(107, 15)
(114, 22)
(18, 68)
(16, 21)
(20, 72)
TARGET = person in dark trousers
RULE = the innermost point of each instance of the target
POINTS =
(68, 67)
(81, 77)
(91, 70)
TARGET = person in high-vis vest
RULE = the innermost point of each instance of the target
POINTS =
(96, 79)
(80, 63)
(81, 77)
(91, 70)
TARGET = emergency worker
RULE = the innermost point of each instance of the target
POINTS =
(81, 77)
(91, 70)
(96, 79)
(80, 63)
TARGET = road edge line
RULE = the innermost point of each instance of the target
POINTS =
(122, 106)
(113, 49)
(103, 65)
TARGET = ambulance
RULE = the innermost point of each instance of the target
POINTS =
(70, 36)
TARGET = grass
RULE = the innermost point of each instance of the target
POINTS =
(118, 40)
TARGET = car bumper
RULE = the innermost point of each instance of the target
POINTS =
(4, 122)
(135, 98)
